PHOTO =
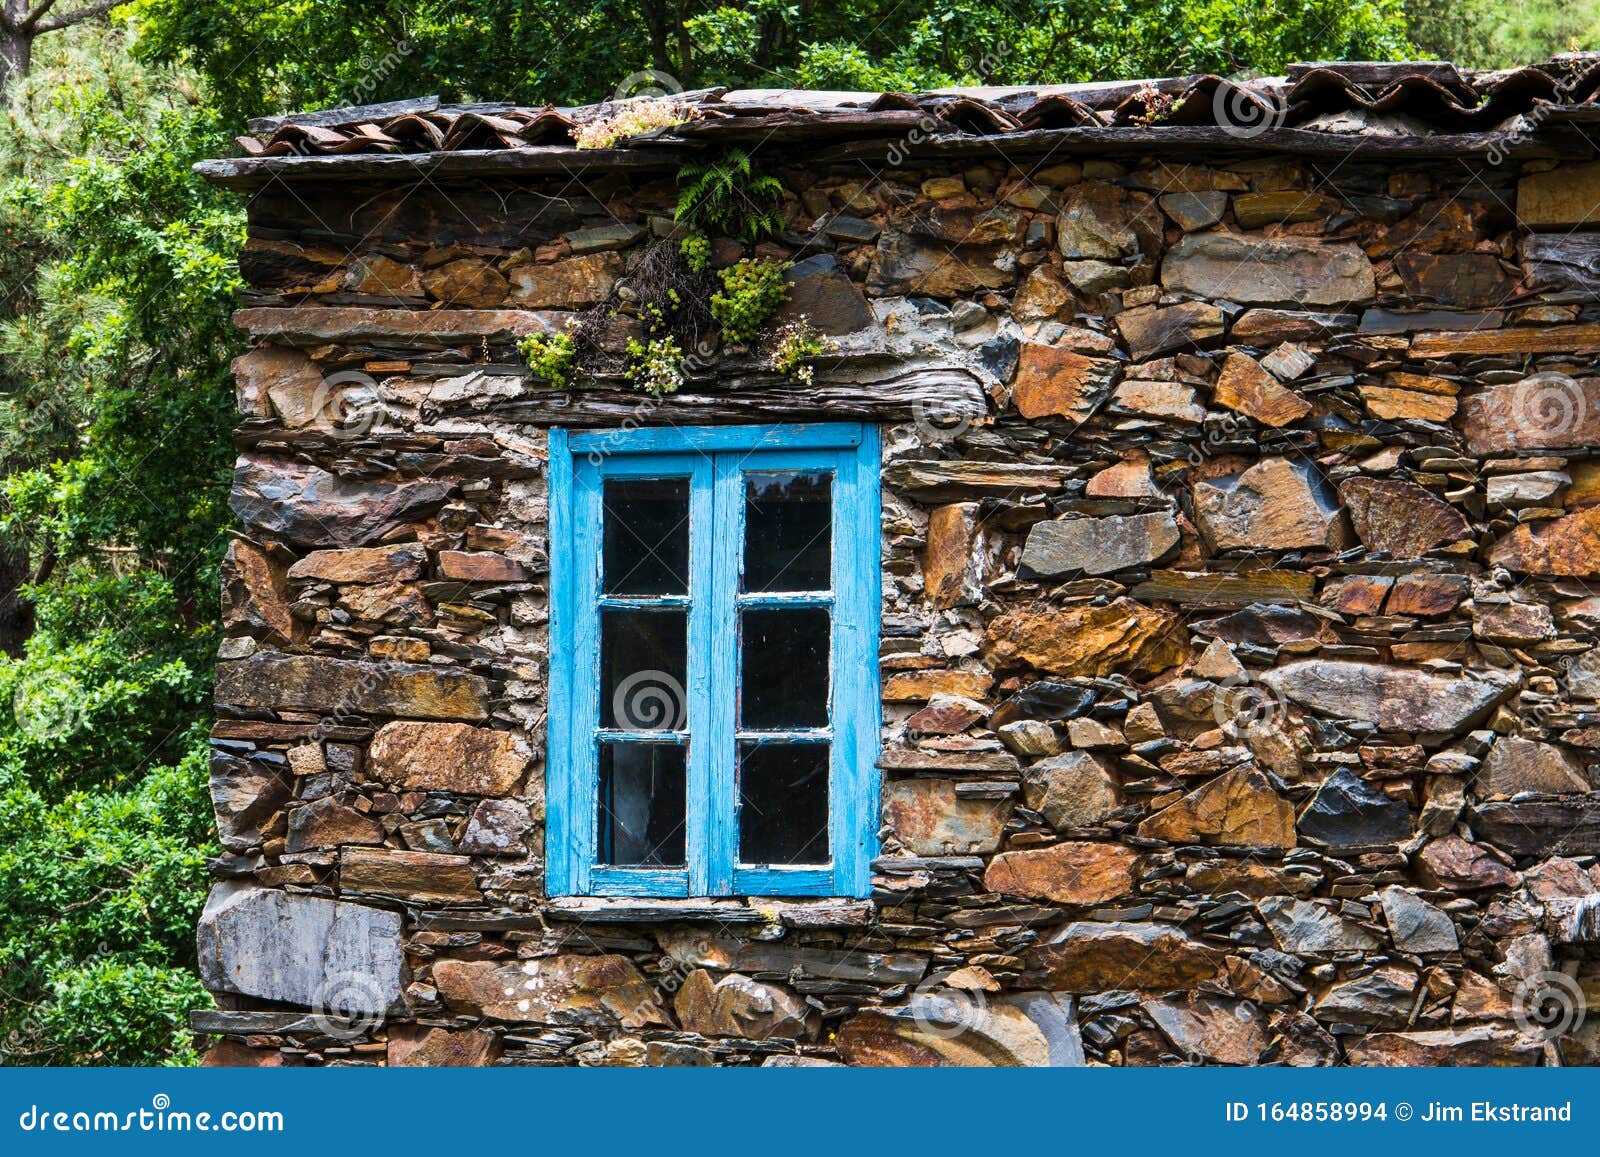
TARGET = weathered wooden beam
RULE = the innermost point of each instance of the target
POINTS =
(245, 173)
(944, 396)
(1210, 141)
(1566, 263)
(316, 324)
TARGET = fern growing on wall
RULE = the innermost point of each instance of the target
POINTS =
(731, 197)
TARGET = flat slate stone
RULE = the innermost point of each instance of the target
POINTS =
(1349, 812)
(301, 950)
(1099, 545)
(1277, 271)
(952, 1028)
(311, 507)
(1415, 925)
(1390, 698)
(315, 683)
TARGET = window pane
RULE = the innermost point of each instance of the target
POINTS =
(646, 536)
(785, 669)
(788, 525)
(783, 803)
(642, 804)
(643, 670)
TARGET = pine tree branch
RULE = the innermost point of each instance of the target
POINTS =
(68, 19)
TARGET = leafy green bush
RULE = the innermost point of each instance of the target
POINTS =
(752, 290)
(99, 894)
(797, 344)
(551, 356)
(656, 366)
(696, 251)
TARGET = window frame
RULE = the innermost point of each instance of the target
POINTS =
(714, 459)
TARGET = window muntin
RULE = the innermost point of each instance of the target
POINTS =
(714, 700)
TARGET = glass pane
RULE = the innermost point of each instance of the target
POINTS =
(643, 668)
(646, 536)
(785, 669)
(642, 804)
(788, 523)
(783, 803)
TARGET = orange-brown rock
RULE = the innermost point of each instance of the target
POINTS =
(1400, 517)
(257, 593)
(1092, 956)
(600, 990)
(952, 573)
(1121, 636)
(576, 281)
(1407, 405)
(920, 686)
(362, 564)
(1566, 547)
(1548, 411)
(1458, 866)
(453, 757)
(1077, 872)
(1244, 386)
(480, 566)
(1426, 595)
(469, 282)
(1274, 505)
(1056, 381)
(1446, 1048)
(1238, 807)
(413, 1046)
(930, 819)
(1542, 339)
(419, 877)
(736, 1006)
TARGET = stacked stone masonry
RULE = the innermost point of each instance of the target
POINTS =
(1241, 527)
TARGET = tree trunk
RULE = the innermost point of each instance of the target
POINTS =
(16, 613)
(16, 55)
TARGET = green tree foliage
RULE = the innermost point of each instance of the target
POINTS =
(1502, 33)
(114, 439)
(316, 53)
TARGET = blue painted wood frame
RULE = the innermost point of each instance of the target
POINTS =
(714, 459)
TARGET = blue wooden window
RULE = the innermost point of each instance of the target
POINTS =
(714, 706)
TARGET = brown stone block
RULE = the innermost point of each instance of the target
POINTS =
(1121, 636)
(315, 683)
(454, 757)
(417, 877)
(413, 1046)
(929, 818)
(599, 991)
(1075, 872)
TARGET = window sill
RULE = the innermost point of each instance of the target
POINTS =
(825, 913)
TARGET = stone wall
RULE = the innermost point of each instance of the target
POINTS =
(1239, 701)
